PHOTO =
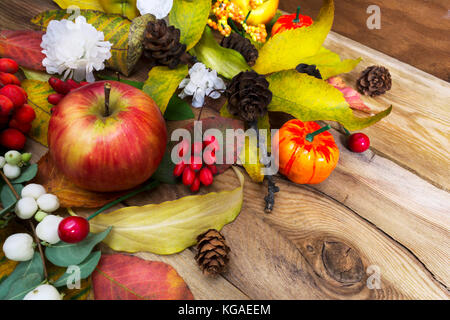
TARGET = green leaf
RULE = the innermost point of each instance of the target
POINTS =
(7, 196)
(135, 84)
(162, 82)
(33, 266)
(191, 18)
(171, 226)
(311, 99)
(28, 174)
(227, 62)
(286, 50)
(66, 254)
(178, 109)
(35, 75)
(330, 64)
(164, 173)
(22, 286)
(86, 268)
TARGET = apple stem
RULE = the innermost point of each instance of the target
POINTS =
(310, 136)
(107, 93)
(297, 20)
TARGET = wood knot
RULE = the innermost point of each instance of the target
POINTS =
(342, 263)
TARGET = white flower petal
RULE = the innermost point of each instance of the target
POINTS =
(158, 8)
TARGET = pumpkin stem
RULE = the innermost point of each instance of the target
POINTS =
(310, 136)
(297, 17)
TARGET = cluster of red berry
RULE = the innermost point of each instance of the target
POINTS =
(15, 115)
(202, 165)
(62, 88)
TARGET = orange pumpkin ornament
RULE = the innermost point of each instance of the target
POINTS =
(291, 21)
(307, 153)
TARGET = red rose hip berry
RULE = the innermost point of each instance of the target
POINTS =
(195, 186)
(8, 78)
(59, 86)
(12, 139)
(55, 98)
(188, 176)
(21, 126)
(16, 94)
(206, 177)
(6, 106)
(358, 142)
(8, 65)
(25, 114)
(73, 229)
(179, 169)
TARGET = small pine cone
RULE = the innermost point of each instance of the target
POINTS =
(374, 81)
(242, 45)
(248, 96)
(162, 45)
(212, 255)
(311, 70)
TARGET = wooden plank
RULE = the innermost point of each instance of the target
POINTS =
(413, 31)
(417, 131)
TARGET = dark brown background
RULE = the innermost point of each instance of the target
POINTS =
(413, 31)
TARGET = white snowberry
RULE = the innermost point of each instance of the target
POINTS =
(43, 292)
(158, 8)
(13, 157)
(47, 229)
(48, 202)
(11, 171)
(19, 247)
(2, 162)
(33, 190)
(26, 208)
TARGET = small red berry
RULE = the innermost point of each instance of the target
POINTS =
(12, 139)
(209, 156)
(59, 86)
(196, 163)
(8, 78)
(55, 98)
(73, 84)
(197, 148)
(8, 65)
(212, 142)
(206, 177)
(195, 186)
(358, 142)
(25, 114)
(188, 176)
(21, 126)
(16, 94)
(182, 148)
(212, 168)
(73, 229)
(6, 106)
(178, 170)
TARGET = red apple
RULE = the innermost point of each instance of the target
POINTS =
(103, 151)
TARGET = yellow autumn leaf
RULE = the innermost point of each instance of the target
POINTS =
(162, 82)
(82, 4)
(250, 159)
(171, 226)
(38, 91)
(285, 50)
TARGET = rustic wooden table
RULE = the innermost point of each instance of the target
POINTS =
(386, 211)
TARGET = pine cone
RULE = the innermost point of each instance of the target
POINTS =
(242, 45)
(212, 255)
(311, 70)
(374, 81)
(248, 96)
(162, 44)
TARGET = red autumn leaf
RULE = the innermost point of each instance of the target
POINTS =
(352, 97)
(124, 277)
(24, 47)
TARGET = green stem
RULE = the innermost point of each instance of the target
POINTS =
(148, 187)
(310, 136)
(346, 131)
(297, 17)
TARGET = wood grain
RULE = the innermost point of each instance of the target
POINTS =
(413, 31)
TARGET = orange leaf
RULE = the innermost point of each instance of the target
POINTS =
(124, 277)
(352, 97)
(69, 194)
